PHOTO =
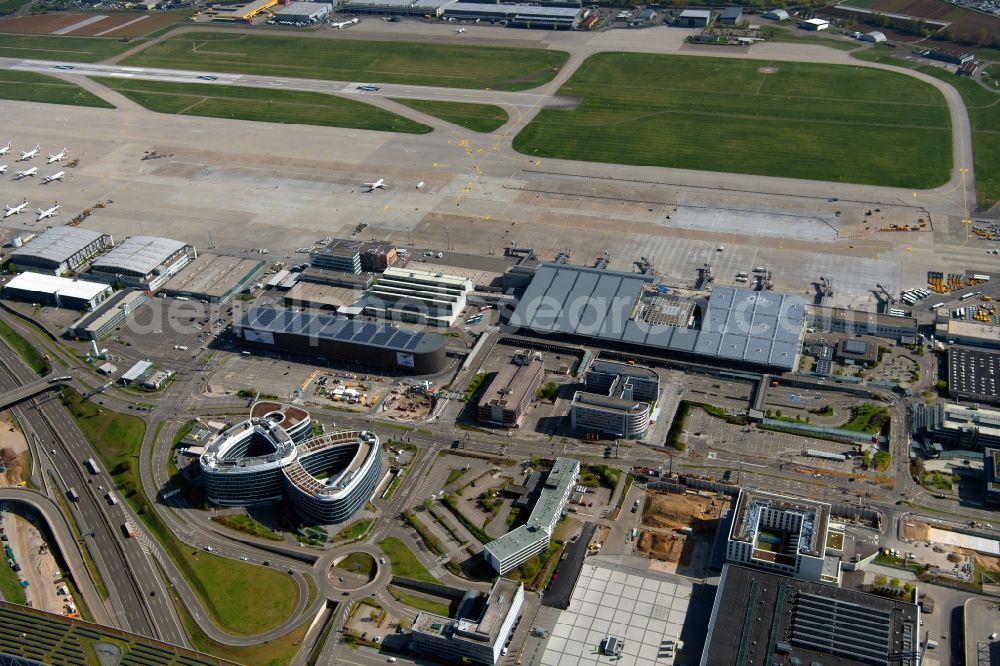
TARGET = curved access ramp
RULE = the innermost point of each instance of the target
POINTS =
(68, 546)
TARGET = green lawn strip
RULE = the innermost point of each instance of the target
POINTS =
(25, 349)
(247, 525)
(870, 418)
(59, 47)
(10, 585)
(417, 63)
(885, 55)
(432, 542)
(275, 652)
(354, 530)
(360, 563)
(779, 34)
(33, 87)
(404, 562)
(476, 117)
(724, 114)
(454, 475)
(420, 603)
(241, 598)
(984, 116)
(260, 104)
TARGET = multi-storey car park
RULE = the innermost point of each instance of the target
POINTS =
(272, 456)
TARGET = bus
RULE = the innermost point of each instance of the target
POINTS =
(92, 466)
(936, 306)
(965, 297)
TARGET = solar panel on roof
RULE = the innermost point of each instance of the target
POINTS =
(382, 336)
(413, 342)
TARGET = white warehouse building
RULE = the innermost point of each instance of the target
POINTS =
(302, 12)
(143, 262)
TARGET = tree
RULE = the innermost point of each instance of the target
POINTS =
(427, 504)
(908, 588)
(866, 459)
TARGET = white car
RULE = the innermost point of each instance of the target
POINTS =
(381, 560)
(243, 557)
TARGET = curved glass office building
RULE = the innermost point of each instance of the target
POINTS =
(272, 455)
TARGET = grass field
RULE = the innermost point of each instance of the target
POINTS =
(353, 531)
(355, 60)
(32, 87)
(25, 349)
(984, 115)
(404, 562)
(11, 6)
(58, 47)
(241, 598)
(476, 117)
(362, 564)
(247, 525)
(720, 114)
(259, 104)
(883, 54)
(420, 603)
(10, 585)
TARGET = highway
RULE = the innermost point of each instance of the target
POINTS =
(125, 569)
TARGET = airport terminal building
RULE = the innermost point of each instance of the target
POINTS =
(736, 327)
(272, 456)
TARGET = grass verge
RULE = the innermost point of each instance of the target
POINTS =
(420, 603)
(10, 585)
(240, 598)
(404, 562)
(353, 531)
(868, 418)
(261, 105)
(417, 63)
(247, 525)
(785, 119)
(58, 47)
(362, 564)
(33, 87)
(432, 542)
(275, 652)
(476, 117)
(25, 349)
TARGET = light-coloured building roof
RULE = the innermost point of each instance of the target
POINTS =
(58, 244)
(696, 13)
(306, 9)
(139, 255)
(136, 371)
(816, 21)
(50, 284)
(974, 330)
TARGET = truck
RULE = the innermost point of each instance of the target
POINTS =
(72, 494)
(127, 531)
(92, 466)
(112, 500)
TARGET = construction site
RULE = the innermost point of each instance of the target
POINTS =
(678, 529)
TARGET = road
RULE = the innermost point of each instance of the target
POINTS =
(127, 572)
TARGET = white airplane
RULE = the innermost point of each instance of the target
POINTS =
(377, 185)
(14, 210)
(5, 149)
(42, 214)
(58, 156)
(58, 175)
(28, 154)
(344, 24)
(26, 174)
(459, 31)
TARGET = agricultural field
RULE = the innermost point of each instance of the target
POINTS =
(746, 116)
(346, 59)
(262, 105)
(476, 117)
(57, 47)
(965, 25)
(984, 115)
(32, 87)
